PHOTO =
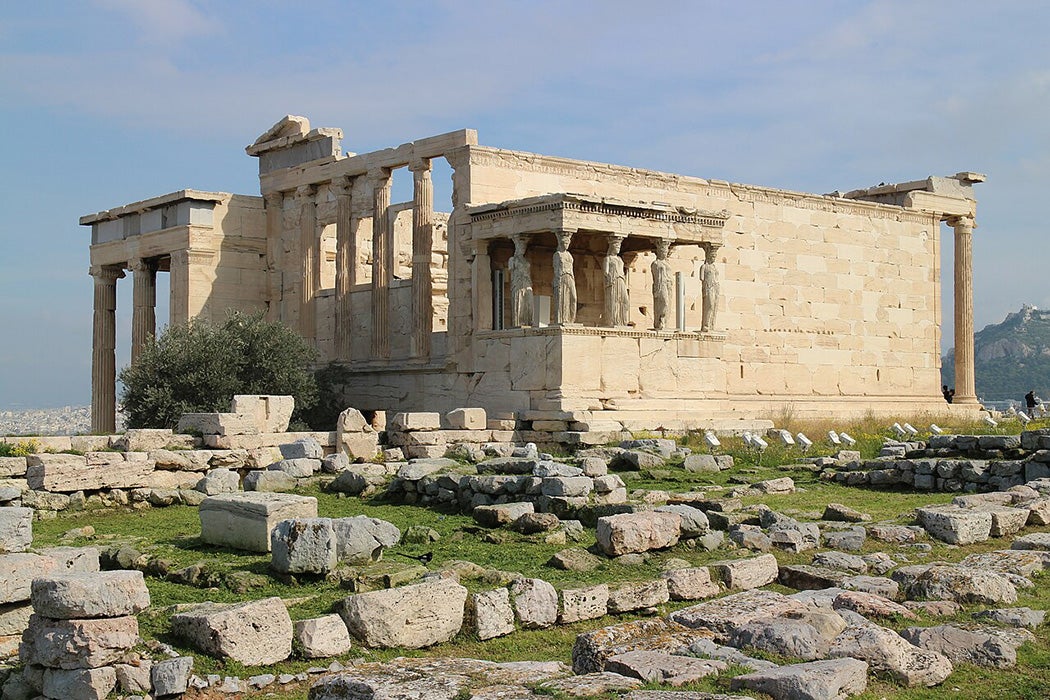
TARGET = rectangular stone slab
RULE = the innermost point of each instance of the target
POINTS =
(244, 520)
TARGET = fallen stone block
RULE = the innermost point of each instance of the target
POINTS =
(722, 615)
(303, 448)
(219, 481)
(1014, 617)
(959, 583)
(584, 603)
(134, 677)
(830, 679)
(299, 467)
(535, 602)
(303, 546)
(964, 646)
(360, 539)
(79, 684)
(272, 481)
(593, 649)
(638, 596)
(752, 572)
(871, 605)
(694, 521)
(492, 613)
(244, 520)
(956, 525)
(661, 667)
(17, 572)
(501, 514)
(225, 424)
(784, 636)
(466, 419)
(631, 533)
(78, 643)
(414, 616)
(64, 473)
(888, 652)
(256, 633)
(171, 676)
(14, 618)
(270, 414)
(89, 595)
(693, 583)
(406, 422)
(321, 637)
(16, 529)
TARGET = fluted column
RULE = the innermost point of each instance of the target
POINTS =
(422, 252)
(144, 315)
(382, 264)
(308, 261)
(344, 267)
(965, 389)
(274, 254)
(103, 350)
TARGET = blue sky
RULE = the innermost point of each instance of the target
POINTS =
(104, 102)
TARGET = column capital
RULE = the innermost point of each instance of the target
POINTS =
(380, 176)
(106, 273)
(962, 222)
(137, 265)
(417, 165)
(304, 191)
(340, 186)
(274, 199)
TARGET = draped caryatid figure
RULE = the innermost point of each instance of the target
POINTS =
(564, 281)
(663, 286)
(617, 303)
(709, 287)
(520, 284)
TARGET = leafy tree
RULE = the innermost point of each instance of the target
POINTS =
(198, 367)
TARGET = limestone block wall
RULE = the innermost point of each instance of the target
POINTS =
(824, 301)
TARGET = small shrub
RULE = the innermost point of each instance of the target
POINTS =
(199, 366)
(19, 449)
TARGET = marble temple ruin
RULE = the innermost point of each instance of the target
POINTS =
(557, 289)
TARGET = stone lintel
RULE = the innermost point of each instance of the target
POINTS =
(289, 178)
(153, 203)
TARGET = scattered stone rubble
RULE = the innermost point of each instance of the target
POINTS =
(77, 628)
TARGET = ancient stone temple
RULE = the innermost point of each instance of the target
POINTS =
(559, 290)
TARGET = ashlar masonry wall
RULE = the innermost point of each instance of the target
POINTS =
(826, 302)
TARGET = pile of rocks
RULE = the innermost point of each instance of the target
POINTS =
(80, 636)
(970, 463)
(19, 567)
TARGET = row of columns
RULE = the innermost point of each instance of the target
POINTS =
(616, 298)
(347, 240)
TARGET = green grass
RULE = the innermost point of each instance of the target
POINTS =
(172, 535)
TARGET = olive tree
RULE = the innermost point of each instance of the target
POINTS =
(199, 366)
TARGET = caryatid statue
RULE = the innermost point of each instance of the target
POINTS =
(663, 285)
(564, 281)
(617, 304)
(520, 284)
(709, 287)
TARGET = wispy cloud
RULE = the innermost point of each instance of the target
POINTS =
(165, 22)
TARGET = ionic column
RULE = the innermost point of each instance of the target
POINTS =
(103, 350)
(144, 315)
(274, 248)
(422, 252)
(345, 253)
(309, 259)
(965, 390)
(382, 264)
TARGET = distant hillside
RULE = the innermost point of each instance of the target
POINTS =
(1010, 358)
